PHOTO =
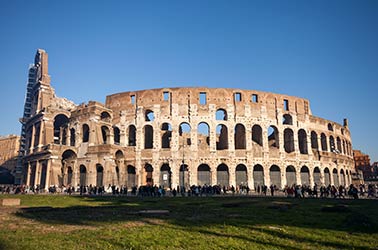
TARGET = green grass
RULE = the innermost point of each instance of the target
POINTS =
(64, 222)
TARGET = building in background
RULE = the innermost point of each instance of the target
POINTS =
(174, 137)
(9, 146)
(362, 163)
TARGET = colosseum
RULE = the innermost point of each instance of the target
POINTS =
(179, 137)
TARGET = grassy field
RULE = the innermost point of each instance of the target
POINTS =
(64, 222)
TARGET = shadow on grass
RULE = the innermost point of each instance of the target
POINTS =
(216, 211)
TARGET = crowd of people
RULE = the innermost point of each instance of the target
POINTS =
(297, 191)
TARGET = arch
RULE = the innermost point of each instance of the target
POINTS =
(291, 178)
(184, 176)
(148, 169)
(323, 140)
(223, 176)
(275, 176)
(203, 131)
(117, 135)
(332, 144)
(287, 119)
(148, 137)
(288, 140)
(184, 133)
(344, 148)
(302, 141)
(330, 127)
(342, 178)
(105, 131)
(105, 116)
(338, 143)
(317, 176)
(99, 175)
(239, 136)
(132, 135)
(83, 175)
(165, 176)
(327, 177)
(257, 134)
(149, 115)
(203, 175)
(221, 115)
(85, 133)
(119, 155)
(314, 140)
(222, 137)
(335, 177)
(72, 137)
(60, 129)
(273, 139)
(305, 176)
(258, 175)
(166, 137)
(131, 176)
(241, 175)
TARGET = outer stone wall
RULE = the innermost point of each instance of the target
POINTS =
(180, 137)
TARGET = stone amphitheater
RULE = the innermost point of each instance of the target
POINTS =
(180, 137)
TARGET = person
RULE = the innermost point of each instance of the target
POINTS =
(272, 190)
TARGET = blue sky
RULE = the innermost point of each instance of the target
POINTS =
(325, 51)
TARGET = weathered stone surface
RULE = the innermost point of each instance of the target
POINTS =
(10, 202)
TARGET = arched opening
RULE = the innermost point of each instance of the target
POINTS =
(302, 139)
(165, 176)
(105, 116)
(184, 133)
(72, 137)
(221, 115)
(132, 135)
(257, 135)
(287, 119)
(327, 177)
(131, 176)
(338, 141)
(203, 175)
(317, 177)
(342, 178)
(68, 162)
(83, 175)
(273, 137)
(69, 176)
(105, 134)
(223, 175)
(335, 178)
(332, 144)
(330, 127)
(184, 176)
(314, 140)
(60, 129)
(117, 135)
(44, 173)
(344, 151)
(203, 135)
(85, 133)
(275, 176)
(289, 140)
(150, 117)
(99, 175)
(119, 163)
(148, 137)
(166, 135)
(239, 136)
(241, 175)
(305, 176)
(148, 172)
(290, 176)
(323, 140)
(222, 137)
(258, 176)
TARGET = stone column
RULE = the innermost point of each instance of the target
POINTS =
(266, 176)
(47, 183)
(298, 176)
(37, 179)
(28, 173)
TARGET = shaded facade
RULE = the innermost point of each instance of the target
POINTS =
(9, 146)
(180, 137)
